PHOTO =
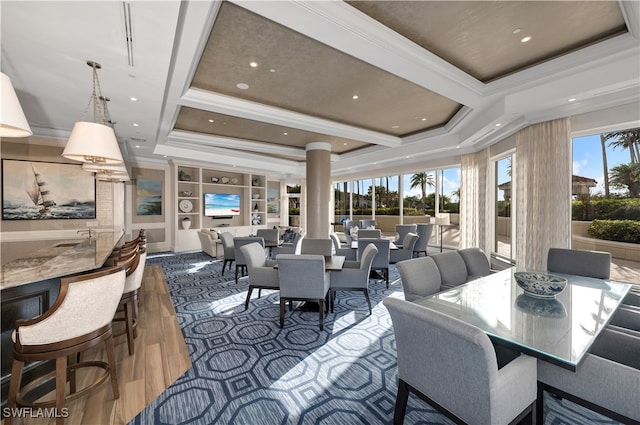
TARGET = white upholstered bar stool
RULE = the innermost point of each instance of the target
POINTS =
(79, 319)
(128, 305)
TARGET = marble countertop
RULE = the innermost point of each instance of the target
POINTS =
(62, 258)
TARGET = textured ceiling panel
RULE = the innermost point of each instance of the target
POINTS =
(303, 75)
(478, 36)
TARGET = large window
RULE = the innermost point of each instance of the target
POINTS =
(448, 204)
(504, 190)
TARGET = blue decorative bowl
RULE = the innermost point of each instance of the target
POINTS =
(540, 284)
(541, 307)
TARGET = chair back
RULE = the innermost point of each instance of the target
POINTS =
(254, 255)
(369, 233)
(336, 241)
(420, 278)
(368, 254)
(317, 247)
(409, 242)
(348, 225)
(403, 229)
(245, 240)
(453, 270)
(86, 303)
(579, 262)
(302, 276)
(268, 234)
(381, 259)
(439, 356)
(476, 261)
(406, 252)
(134, 270)
(423, 230)
(227, 245)
(365, 224)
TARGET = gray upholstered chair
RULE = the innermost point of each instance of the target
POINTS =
(369, 233)
(241, 262)
(579, 262)
(606, 381)
(626, 319)
(381, 259)
(406, 251)
(476, 261)
(228, 250)
(354, 276)
(209, 242)
(345, 251)
(420, 278)
(453, 366)
(453, 270)
(303, 278)
(402, 230)
(262, 275)
(292, 247)
(424, 231)
(316, 246)
(268, 234)
(365, 224)
(348, 225)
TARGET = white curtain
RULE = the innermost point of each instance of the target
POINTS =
(543, 191)
(474, 202)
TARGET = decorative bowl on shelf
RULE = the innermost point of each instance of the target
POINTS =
(184, 177)
(186, 193)
(256, 196)
(234, 180)
(214, 180)
(538, 284)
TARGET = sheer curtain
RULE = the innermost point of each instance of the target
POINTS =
(474, 202)
(543, 187)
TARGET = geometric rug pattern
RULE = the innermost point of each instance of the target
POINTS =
(247, 370)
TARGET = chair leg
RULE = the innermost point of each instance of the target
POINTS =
(237, 274)
(61, 383)
(259, 292)
(321, 312)
(540, 404)
(128, 320)
(224, 265)
(366, 295)
(282, 305)
(401, 403)
(386, 276)
(246, 303)
(332, 298)
(14, 386)
(71, 360)
(113, 373)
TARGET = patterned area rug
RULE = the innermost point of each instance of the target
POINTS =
(246, 370)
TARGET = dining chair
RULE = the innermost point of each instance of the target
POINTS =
(241, 262)
(347, 225)
(127, 308)
(345, 251)
(228, 250)
(476, 261)
(79, 319)
(317, 246)
(262, 275)
(607, 380)
(292, 247)
(271, 235)
(420, 278)
(452, 268)
(405, 251)
(366, 224)
(354, 276)
(424, 231)
(453, 366)
(303, 278)
(381, 259)
(402, 230)
(369, 233)
(579, 262)
(626, 319)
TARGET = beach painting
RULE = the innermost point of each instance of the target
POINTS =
(33, 190)
(149, 197)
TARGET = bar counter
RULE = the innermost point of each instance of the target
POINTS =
(31, 284)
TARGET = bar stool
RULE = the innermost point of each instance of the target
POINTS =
(79, 319)
(129, 301)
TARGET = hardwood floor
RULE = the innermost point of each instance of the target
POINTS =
(160, 358)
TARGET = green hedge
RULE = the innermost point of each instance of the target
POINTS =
(606, 209)
(616, 230)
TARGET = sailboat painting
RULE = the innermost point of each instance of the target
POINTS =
(45, 190)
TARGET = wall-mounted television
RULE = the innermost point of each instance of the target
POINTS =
(221, 204)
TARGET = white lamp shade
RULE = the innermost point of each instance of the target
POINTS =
(104, 168)
(13, 123)
(93, 142)
(112, 177)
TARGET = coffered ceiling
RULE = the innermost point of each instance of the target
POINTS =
(249, 84)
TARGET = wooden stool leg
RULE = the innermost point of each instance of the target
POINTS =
(14, 386)
(72, 360)
(61, 383)
(128, 318)
(111, 359)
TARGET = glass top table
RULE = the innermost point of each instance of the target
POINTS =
(559, 330)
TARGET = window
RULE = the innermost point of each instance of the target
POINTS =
(504, 190)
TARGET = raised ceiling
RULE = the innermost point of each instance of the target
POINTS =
(432, 78)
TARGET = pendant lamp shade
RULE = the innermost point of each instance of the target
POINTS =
(105, 168)
(13, 123)
(94, 142)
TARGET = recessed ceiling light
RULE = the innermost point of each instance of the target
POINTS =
(253, 64)
(210, 120)
(458, 147)
(133, 99)
(344, 144)
(525, 39)
(498, 125)
(395, 126)
(137, 146)
(354, 97)
(516, 31)
(272, 70)
(242, 86)
(573, 99)
(423, 119)
(135, 124)
(164, 156)
(286, 134)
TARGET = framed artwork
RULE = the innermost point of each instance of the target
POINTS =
(273, 204)
(33, 190)
(148, 197)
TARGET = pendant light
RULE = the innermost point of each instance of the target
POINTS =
(13, 123)
(93, 142)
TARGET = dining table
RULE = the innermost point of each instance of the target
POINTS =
(558, 329)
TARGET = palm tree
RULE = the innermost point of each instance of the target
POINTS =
(627, 175)
(626, 139)
(605, 166)
(422, 180)
(456, 193)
